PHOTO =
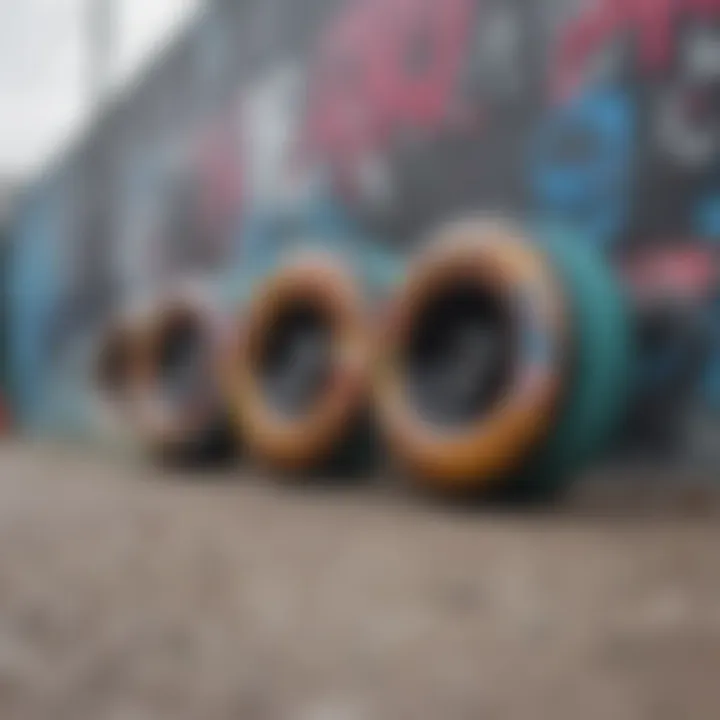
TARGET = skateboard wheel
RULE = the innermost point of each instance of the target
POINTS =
(302, 369)
(183, 418)
(471, 367)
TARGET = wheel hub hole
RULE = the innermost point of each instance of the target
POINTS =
(296, 360)
(459, 355)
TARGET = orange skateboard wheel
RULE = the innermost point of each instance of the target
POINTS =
(470, 369)
(301, 372)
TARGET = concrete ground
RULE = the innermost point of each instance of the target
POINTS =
(130, 595)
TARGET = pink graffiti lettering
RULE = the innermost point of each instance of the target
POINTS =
(653, 22)
(385, 65)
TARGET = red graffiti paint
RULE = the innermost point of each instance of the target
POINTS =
(652, 22)
(219, 170)
(382, 66)
(423, 54)
(345, 98)
(689, 271)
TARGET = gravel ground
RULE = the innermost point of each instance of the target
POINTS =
(127, 595)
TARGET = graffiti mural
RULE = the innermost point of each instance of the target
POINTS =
(638, 83)
(416, 108)
(396, 115)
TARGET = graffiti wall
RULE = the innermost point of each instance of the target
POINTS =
(600, 115)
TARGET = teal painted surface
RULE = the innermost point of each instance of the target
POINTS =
(602, 363)
(33, 294)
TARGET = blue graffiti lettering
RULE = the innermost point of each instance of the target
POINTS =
(707, 217)
(580, 164)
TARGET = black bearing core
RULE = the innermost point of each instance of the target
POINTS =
(458, 359)
(295, 361)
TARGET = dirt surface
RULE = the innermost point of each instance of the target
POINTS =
(127, 595)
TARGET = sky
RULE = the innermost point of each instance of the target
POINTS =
(44, 69)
